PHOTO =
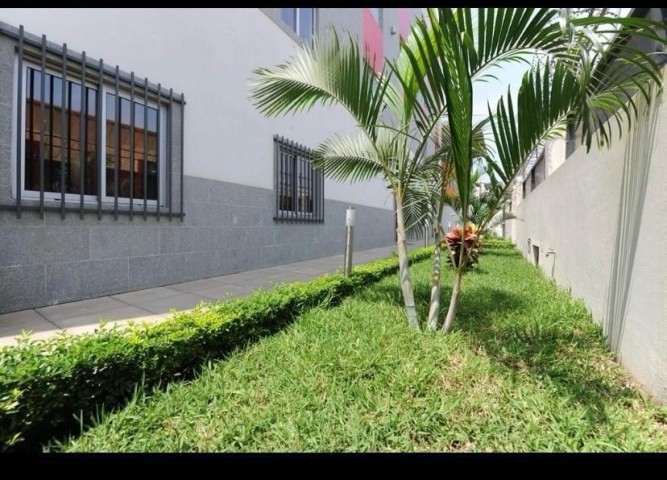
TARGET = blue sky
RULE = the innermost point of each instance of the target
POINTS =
(509, 75)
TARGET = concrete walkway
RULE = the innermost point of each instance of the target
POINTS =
(154, 304)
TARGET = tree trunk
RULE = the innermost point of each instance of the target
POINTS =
(404, 268)
(434, 306)
(454, 301)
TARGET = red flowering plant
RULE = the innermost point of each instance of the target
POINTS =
(453, 240)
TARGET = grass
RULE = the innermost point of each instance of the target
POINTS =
(524, 369)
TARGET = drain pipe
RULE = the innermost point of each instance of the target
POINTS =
(550, 252)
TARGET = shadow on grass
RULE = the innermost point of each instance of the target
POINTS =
(486, 299)
(556, 351)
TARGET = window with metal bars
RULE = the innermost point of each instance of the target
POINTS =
(299, 187)
(93, 138)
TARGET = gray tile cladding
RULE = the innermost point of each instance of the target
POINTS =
(228, 228)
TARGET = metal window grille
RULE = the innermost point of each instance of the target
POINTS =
(299, 188)
(62, 93)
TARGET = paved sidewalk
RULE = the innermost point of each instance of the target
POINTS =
(154, 304)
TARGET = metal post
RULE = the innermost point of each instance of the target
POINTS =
(349, 238)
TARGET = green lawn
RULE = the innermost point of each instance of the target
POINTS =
(525, 369)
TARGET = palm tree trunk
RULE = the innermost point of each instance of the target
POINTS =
(454, 301)
(434, 306)
(404, 267)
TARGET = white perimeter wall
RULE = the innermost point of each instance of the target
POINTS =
(610, 245)
(208, 54)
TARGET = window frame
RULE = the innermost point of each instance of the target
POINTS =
(296, 184)
(297, 23)
(100, 116)
(299, 156)
(162, 148)
(380, 17)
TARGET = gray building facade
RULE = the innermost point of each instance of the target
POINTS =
(210, 204)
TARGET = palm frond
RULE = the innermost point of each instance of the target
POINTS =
(546, 97)
(331, 72)
(348, 158)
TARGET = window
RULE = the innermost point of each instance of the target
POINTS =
(90, 136)
(63, 159)
(377, 15)
(538, 174)
(299, 188)
(132, 154)
(301, 21)
(69, 141)
(524, 188)
(570, 140)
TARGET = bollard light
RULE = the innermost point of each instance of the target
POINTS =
(350, 214)
(349, 234)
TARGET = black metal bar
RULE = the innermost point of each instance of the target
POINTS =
(158, 140)
(297, 177)
(276, 173)
(19, 129)
(145, 169)
(322, 198)
(170, 173)
(100, 126)
(116, 135)
(70, 126)
(306, 178)
(299, 180)
(279, 159)
(131, 144)
(283, 178)
(49, 181)
(319, 196)
(47, 208)
(83, 120)
(42, 91)
(295, 180)
(289, 176)
(309, 187)
(55, 49)
(314, 194)
(63, 132)
(182, 207)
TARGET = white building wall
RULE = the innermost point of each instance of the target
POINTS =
(209, 55)
(604, 214)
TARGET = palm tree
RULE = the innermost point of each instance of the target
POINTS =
(432, 80)
(451, 51)
(335, 72)
(427, 196)
(486, 206)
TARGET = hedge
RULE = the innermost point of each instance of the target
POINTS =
(496, 242)
(45, 384)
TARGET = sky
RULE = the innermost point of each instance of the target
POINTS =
(509, 75)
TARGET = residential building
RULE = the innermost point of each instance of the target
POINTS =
(131, 156)
(595, 222)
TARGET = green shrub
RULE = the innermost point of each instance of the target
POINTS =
(44, 384)
(496, 242)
